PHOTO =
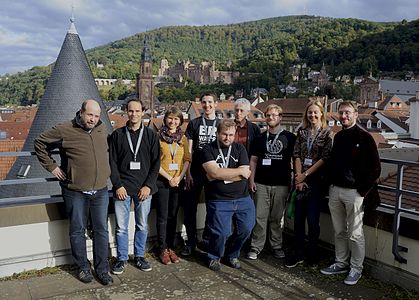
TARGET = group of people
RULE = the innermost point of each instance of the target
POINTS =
(246, 176)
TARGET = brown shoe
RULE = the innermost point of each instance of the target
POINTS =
(165, 257)
(173, 256)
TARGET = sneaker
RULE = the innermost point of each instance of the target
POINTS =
(293, 262)
(353, 277)
(334, 269)
(279, 253)
(252, 254)
(187, 251)
(119, 267)
(165, 257)
(86, 276)
(142, 264)
(173, 257)
(214, 265)
(234, 263)
(105, 278)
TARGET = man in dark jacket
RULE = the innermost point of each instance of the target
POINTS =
(246, 131)
(354, 168)
(83, 178)
(135, 161)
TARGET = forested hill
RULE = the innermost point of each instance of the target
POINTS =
(268, 46)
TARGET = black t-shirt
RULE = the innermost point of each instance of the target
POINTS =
(278, 172)
(200, 136)
(218, 189)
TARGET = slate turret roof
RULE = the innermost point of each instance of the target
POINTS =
(70, 84)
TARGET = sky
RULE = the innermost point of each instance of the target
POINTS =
(32, 32)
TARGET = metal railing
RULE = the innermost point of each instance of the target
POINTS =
(27, 200)
(397, 208)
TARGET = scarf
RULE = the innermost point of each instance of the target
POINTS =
(168, 137)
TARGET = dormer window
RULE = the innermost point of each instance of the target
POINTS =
(23, 171)
(369, 124)
(338, 123)
(379, 124)
(331, 123)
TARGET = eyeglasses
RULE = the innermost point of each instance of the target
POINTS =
(273, 115)
(346, 112)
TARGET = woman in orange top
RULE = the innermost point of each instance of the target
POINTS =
(174, 161)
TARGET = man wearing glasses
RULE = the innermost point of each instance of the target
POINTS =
(354, 167)
(270, 180)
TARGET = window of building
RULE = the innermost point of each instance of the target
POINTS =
(369, 124)
(379, 124)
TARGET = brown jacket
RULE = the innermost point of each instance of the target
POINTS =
(84, 155)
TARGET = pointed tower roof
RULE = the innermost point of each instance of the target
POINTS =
(70, 84)
(146, 54)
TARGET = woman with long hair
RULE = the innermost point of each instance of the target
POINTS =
(174, 161)
(312, 150)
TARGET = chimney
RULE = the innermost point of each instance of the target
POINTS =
(414, 117)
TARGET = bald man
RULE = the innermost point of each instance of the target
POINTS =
(83, 178)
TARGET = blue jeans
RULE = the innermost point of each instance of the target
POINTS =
(79, 207)
(122, 212)
(221, 215)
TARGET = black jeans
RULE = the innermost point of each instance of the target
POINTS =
(308, 209)
(167, 207)
(190, 205)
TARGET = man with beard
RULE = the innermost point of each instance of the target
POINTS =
(83, 178)
(226, 165)
(270, 164)
(354, 168)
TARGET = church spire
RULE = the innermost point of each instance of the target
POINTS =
(146, 54)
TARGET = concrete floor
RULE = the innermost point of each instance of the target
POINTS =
(265, 278)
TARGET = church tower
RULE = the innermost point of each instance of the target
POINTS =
(145, 79)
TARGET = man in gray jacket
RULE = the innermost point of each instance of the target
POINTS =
(83, 178)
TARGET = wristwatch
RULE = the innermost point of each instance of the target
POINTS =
(306, 173)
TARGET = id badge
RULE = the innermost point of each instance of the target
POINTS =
(308, 162)
(266, 162)
(173, 167)
(227, 181)
(134, 165)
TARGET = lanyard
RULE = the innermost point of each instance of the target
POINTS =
(206, 128)
(225, 159)
(311, 140)
(269, 146)
(173, 152)
(138, 142)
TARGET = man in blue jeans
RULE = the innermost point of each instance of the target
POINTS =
(228, 202)
(83, 178)
(135, 161)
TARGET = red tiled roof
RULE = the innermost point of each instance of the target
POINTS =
(6, 162)
(227, 109)
(16, 130)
